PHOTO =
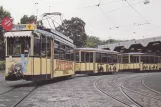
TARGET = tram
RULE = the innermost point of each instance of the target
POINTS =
(36, 53)
(95, 61)
(139, 62)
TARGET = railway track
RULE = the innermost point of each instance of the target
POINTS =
(16, 95)
(127, 92)
(143, 94)
(111, 96)
(21, 100)
(143, 84)
(123, 88)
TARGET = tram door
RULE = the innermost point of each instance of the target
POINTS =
(89, 61)
(87, 64)
(52, 58)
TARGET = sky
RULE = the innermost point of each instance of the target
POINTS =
(112, 19)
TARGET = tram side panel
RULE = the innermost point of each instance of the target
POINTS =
(150, 67)
(63, 68)
(84, 68)
(14, 65)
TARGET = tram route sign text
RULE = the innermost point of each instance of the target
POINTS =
(24, 27)
(63, 65)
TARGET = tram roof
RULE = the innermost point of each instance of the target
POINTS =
(138, 53)
(18, 34)
(95, 50)
(57, 36)
(24, 31)
(134, 53)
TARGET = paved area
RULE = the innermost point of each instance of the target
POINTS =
(118, 90)
(154, 82)
(137, 91)
(77, 92)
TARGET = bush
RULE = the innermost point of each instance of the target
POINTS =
(2, 65)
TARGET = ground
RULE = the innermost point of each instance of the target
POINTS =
(118, 90)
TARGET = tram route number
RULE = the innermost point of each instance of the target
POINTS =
(63, 65)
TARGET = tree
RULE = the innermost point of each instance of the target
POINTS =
(92, 41)
(3, 13)
(74, 29)
(110, 41)
(26, 20)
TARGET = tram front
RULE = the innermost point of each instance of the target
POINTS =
(18, 50)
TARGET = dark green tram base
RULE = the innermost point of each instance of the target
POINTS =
(129, 70)
(84, 72)
(29, 77)
(90, 73)
(12, 78)
(138, 70)
(36, 77)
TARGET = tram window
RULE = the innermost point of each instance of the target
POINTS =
(72, 56)
(98, 57)
(68, 56)
(151, 59)
(48, 52)
(82, 56)
(77, 56)
(147, 59)
(56, 50)
(134, 59)
(159, 59)
(143, 59)
(87, 57)
(91, 56)
(119, 59)
(104, 57)
(68, 53)
(36, 47)
(108, 58)
(61, 51)
(18, 46)
(156, 59)
(125, 59)
(43, 46)
(114, 58)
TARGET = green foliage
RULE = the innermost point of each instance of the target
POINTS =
(74, 29)
(93, 42)
(3, 13)
(26, 20)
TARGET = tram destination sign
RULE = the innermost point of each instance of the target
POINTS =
(24, 27)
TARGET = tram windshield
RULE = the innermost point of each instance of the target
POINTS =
(17, 46)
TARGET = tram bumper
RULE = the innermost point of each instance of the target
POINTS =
(12, 78)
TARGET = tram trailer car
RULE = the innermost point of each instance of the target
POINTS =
(37, 54)
(95, 61)
(139, 62)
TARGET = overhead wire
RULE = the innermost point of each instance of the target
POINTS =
(135, 10)
(98, 5)
(107, 16)
(123, 7)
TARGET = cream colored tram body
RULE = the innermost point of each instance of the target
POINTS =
(37, 53)
(93, 61)
(139, 62)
